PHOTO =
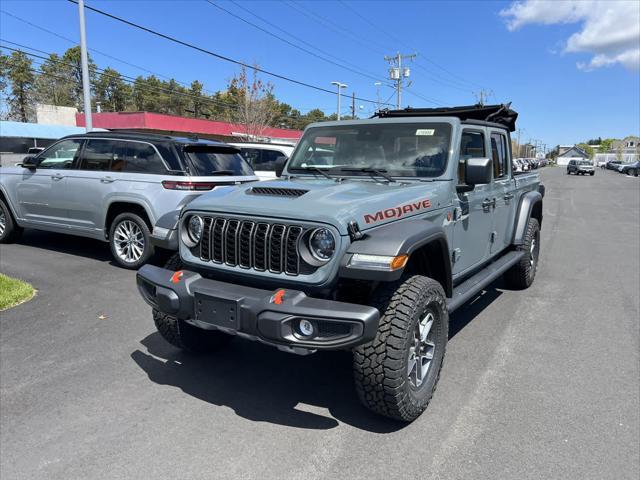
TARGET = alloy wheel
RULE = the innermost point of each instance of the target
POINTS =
(129, 241)
(3, 223)
(422, 351)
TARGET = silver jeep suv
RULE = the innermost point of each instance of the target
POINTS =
(114, 186)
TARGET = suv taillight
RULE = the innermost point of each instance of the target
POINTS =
(173, 185)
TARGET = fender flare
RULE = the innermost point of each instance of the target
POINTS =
(528, 202)
(397, 238)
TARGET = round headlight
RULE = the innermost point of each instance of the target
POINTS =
(322, 244)
(194, 228)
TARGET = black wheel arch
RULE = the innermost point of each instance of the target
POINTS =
(117, 207)
(530, 206)
(425, 243)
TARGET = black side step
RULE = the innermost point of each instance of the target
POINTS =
(467, 289)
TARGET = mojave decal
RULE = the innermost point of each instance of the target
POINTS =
(397, 212)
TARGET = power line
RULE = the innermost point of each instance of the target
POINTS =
(353, 70)
(461, 80)
(131, 80)
(336, 28)
(75, 42)
(125, 78)
(213, 54)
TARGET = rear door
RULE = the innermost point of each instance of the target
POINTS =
(503, 191)
(474, 214)
(41, 192)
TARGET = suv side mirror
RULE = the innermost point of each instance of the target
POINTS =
(479, 171)
(279, 165)
(29, 162)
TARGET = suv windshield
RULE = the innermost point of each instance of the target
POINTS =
(584, 162)
(207, 160)
(399, 149)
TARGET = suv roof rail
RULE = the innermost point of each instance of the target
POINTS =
(501, 114)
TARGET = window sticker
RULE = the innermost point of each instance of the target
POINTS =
(425, 131)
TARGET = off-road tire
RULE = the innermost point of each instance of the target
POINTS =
(11, 229)
(522, 274)
(592, 173)
(148, 249)
(633, 172)
(182, 335)
(380, 367)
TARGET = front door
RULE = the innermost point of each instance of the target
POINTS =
(41, 192)
(474, 212)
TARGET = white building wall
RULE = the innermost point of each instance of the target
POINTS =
(54, 115)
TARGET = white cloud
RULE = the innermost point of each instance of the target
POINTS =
(610, 29)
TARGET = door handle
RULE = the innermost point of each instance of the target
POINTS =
(107, 179)
(509, 196)
(486, 204)
(57, 176)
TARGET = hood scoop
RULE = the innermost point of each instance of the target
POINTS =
(278, 191)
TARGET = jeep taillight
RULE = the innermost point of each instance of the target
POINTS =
(173, 185)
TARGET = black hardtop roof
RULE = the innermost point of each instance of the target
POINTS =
(500, 114)
(152, 137)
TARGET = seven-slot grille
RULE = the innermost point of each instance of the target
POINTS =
(261, 246)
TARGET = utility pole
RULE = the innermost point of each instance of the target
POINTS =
(340, 87)
(398, 73)
(377, 84)
(86, 88)
(519, 132)
(482, 96)
(353, 105)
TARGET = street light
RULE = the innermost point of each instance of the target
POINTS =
(340, 86)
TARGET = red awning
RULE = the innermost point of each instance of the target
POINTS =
(171, 123)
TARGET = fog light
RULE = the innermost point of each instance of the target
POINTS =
(306, 328)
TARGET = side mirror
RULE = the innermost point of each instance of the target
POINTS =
(279, 165)
(29, 162)
(479, 171)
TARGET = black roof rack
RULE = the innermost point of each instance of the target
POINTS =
(501, 114)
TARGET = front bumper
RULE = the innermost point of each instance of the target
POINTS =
(268, 316)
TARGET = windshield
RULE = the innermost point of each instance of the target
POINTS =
(584, 162)
(212, 160)
(399, 149)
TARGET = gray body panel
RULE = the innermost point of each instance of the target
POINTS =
(389, 214)
(76, 201)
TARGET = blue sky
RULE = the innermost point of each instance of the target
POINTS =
(469, 43)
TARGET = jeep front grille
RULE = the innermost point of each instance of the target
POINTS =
(253, 245)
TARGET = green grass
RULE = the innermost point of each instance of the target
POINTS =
(13, 292)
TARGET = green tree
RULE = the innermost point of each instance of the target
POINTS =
(54, 85)
(606, 144)
(176, 101)
(587, 149)
(148, 94)
(21, 77)
(111, 91)
(72, 67)
(197, 102)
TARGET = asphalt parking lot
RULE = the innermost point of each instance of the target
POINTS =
(542, 383)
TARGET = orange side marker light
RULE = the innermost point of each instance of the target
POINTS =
(177, 276)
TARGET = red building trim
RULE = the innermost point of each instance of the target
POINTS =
(172, 123)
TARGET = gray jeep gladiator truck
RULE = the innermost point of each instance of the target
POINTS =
(375, 231)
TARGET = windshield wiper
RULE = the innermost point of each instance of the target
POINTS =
(222, 172)
(315, 169)
(381, 172)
